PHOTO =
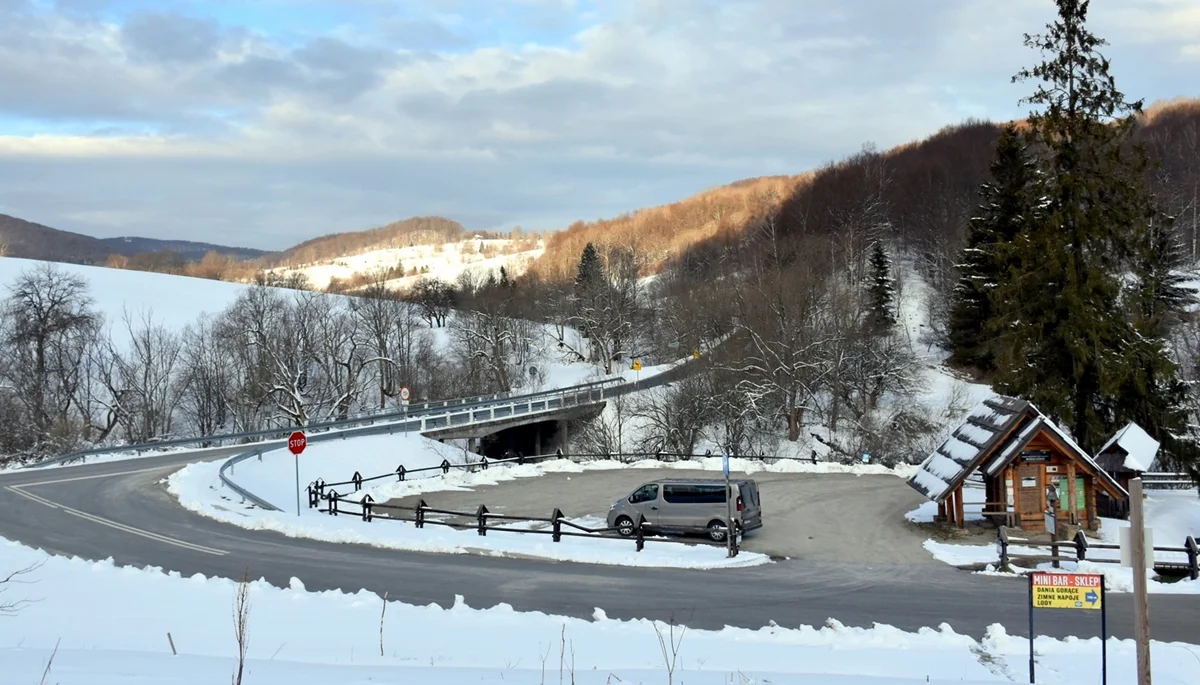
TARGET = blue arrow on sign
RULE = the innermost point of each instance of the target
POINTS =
(1092, 597)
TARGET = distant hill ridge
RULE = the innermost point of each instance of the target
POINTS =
(30, 240)
(417, 230)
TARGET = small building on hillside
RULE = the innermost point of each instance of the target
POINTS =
(1019, 454)
(1127, 455)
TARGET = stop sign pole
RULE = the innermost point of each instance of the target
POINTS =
(297, 441)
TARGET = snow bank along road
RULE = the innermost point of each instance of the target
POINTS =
(122, 510)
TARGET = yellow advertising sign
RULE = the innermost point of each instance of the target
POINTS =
(1067, 590)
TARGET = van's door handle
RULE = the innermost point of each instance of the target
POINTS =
(653, 508)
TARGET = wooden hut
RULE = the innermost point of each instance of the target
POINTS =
(1018, 453)
(1126, 455)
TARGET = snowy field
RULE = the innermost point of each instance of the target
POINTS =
(443, 261)
(174, 301)
(98, 624)
(1171, 516)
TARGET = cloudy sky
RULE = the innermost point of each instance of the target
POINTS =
(265, 122)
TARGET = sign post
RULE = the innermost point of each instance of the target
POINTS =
(637, 366)
(1069, 591)
(404, 396)
(297, 441)
(729, 527)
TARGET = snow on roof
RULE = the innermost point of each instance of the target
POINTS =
(1139, 448)
(979, 436)
(966, 446)
(1006, 454)
(1083, 456)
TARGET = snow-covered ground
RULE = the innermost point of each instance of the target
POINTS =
(442, 261)
(174, 301)
(1171, 516)
(98, 624)
(199, 489)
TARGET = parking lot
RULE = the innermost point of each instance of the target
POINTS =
(819, 517)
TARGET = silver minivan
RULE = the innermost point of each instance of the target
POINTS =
(688, 505)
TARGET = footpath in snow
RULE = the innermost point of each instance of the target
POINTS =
(199, 489)
(106, 625)
(1171, 515)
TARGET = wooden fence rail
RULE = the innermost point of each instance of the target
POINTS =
(1080, 544)
(482, 517)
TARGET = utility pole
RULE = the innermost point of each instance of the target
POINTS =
(1141, 607)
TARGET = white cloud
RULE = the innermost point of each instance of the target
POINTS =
(247, 138)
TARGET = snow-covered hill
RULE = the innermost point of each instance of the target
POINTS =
(443, 261)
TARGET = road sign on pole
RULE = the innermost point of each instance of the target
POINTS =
(1069, 591)
(404, 395)
(297, 441)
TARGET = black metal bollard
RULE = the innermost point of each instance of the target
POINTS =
(1193, 552)
(367, 501)
(556, 526)
(641, 535)
(445, 466)
(357, 479)
(333, 502)
(400, 471)
(481, 515)
(483, 463)
(1081, 545)
(1002, 543)
(420, 514)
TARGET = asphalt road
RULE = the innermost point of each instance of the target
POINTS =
(121, 510)
(840, 518)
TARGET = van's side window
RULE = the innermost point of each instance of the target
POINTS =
(646, 493)
(694, 494)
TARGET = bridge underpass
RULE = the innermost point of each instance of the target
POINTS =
(528, 434)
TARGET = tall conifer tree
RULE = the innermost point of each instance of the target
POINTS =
(1064, 339)
(1007, 204)
(883, 291)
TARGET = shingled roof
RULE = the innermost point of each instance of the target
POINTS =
(968, 445)
(990, 438)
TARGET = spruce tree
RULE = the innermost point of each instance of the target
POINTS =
(1007, 202)
(883, 291)
(590, 271)
(1063, 336)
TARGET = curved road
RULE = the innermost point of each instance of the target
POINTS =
(122, 510)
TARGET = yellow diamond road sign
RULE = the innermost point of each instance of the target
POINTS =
(1067, 590)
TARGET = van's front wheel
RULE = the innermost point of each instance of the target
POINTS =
(624, 526)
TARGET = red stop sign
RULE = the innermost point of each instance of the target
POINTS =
(297, 442)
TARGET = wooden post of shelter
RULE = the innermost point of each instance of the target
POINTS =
(959, 514)
(941, 515)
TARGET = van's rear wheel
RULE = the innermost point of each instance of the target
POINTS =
(716, 531)
(624, 526)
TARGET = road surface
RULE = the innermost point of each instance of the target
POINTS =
(833, 517)
(122, 510)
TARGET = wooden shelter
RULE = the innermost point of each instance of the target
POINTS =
(1019, 453)
(1126, 455)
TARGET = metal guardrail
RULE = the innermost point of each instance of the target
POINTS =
(530, 405)
(423, 409)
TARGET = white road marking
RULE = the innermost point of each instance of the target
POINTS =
(20, 490)
(93, 477)
(29, 495)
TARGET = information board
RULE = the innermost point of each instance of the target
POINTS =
(1067, 590)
